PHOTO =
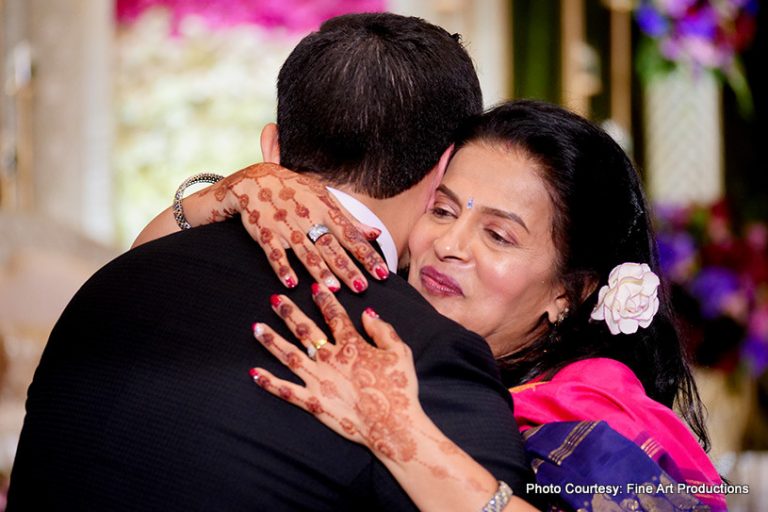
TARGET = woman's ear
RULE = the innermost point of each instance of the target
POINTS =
(270, 143)
(558, 309)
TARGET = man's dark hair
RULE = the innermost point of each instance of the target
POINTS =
(373, 100)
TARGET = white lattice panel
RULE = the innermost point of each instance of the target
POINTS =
(683, 139)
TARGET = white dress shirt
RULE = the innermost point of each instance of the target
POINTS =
(364, 214)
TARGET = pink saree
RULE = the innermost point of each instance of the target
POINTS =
(604, 389)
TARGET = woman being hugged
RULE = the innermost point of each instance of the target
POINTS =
(540, 240)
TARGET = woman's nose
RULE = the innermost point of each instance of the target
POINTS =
(453, 243)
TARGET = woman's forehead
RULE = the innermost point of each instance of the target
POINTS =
(492, 178)
(492, 169)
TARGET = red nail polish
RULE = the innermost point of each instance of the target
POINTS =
(315, 288)
(275, 300)
(290, 282)
(254, 373)
(370, 312)
(373, 234)
(334, 288)
(382, 273)
(358, 285)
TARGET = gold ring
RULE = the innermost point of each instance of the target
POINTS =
(314, 347)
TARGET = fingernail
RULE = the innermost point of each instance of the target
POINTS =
(358, 284)
(258, 329)
(290, 282)
(374, 233)
(315, 288)
(254, 373)
(370, 312)
(275, 300)
(333, 284)
(381, 272)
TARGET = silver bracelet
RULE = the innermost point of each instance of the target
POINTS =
(178, 211)
(499, 500)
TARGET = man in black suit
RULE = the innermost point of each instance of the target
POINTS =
(142, 400)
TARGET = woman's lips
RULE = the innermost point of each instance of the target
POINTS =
(437, 283)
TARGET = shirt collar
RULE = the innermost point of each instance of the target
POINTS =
(364, 214)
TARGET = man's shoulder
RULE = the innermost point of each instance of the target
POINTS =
(225, 243)
(224, 252)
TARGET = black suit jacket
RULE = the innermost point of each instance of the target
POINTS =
(142, 399)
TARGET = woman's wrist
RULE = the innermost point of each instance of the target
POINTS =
(439, 472)
(177, 207)
(212, 204)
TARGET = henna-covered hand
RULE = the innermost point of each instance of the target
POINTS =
(367, 394)
(278, 207)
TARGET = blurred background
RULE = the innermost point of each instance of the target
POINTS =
(107, 105)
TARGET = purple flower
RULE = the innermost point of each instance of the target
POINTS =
(651, 21)
(699, 23)
(713, 287)
(677, 252)
(754, 352)
(700, 34)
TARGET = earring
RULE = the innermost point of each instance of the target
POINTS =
(561, 316)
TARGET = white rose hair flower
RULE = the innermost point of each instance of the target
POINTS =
(629, 300)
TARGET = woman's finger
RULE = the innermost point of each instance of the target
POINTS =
(272, 247)
(383, 334)
(340, 263)
(304, 398)
(369, 232)
(307, 331)
(344, 227)
(313, 261)
(353, 241)
(286, 352)
(335, 315)
(288, 391)
(361, 246)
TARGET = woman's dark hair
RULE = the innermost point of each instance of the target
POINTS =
(600, 221)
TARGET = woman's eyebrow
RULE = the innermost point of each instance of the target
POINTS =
(485, 209)
(505, 215)
(448, 192)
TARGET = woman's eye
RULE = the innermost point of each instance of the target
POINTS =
(440, 212)
(499, 238)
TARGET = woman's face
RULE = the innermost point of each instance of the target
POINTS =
(483, 255)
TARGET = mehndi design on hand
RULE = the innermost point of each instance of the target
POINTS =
(276, 206)
(366, 393)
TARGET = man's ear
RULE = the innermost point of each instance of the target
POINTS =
(438, 173)
(270, 143)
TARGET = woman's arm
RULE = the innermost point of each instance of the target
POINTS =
(278, 207)
(370, 395)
